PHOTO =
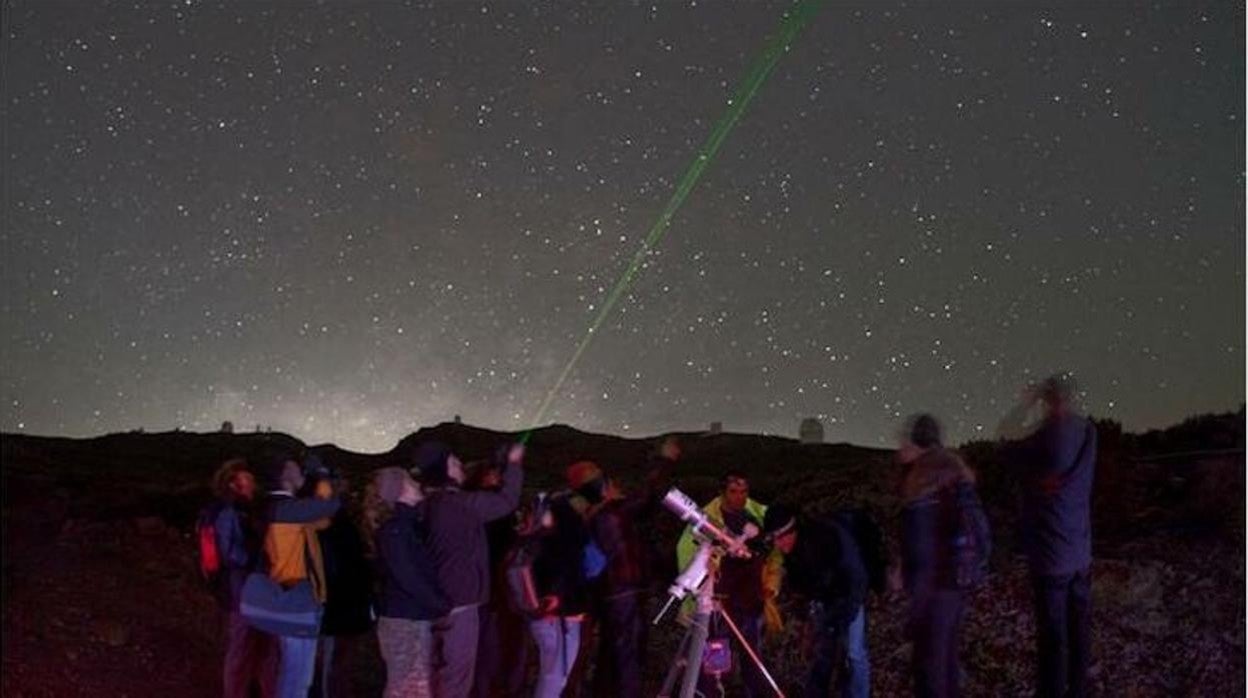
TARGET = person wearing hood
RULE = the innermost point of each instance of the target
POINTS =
(456, 522)
(411, 599)
(929, 496)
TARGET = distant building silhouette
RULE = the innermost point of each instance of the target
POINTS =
(716, 428)
(458, 419)
(227, 427)
(811, 431)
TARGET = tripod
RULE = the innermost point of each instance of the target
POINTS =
(693, 644)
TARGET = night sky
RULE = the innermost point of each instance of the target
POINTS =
(347, 220)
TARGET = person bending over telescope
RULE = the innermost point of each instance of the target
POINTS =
(824, 565)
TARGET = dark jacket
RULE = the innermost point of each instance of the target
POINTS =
(349, 608)
(409, 583)
(741, 579)
(455, 523)
(618, 527)
(826, 567)
(929, 520)
(1057, 463)
(559, 566)
(238, 543)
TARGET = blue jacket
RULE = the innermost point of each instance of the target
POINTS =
(1058, 462)
(409, 580)
(239, 546)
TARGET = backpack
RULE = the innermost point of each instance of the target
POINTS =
(595, 561)
(972, 538)
(206, 533)
(870, 541)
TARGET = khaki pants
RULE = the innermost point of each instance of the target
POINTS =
(407, 648)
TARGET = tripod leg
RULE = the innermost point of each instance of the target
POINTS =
(750, 651)
(697, 645)
(679, 663)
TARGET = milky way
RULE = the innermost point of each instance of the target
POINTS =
(349, 220)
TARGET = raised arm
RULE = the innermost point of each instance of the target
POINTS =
(305, 510)
(489, 506)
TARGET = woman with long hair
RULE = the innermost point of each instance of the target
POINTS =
(410, 599)
(561, 578)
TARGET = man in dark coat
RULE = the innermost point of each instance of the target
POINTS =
(1056, 463)
(823, 565)
(457, 542)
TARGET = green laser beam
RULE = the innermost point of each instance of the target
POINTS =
(792, 23)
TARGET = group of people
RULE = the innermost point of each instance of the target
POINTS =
(460, 582)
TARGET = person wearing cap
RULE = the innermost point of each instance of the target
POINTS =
(929, 492)
(1056, 461)
(456, 537)
(616, 523)
(411, 599)
(292, 553)
(748, 585)
(824, 566)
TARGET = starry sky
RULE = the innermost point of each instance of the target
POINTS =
(347, 220)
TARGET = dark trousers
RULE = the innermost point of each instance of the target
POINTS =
(1064, 625)
(250, 659)
(935, 619)
(502, 653)
(333, 676)
(750, 625)
(839, 648)
(621, 639)
(455, 652)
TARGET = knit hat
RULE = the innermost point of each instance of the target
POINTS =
(778, 521)
(389, 483)
(432, 463)
(582, 473)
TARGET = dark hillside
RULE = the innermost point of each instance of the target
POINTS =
(100, 587)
